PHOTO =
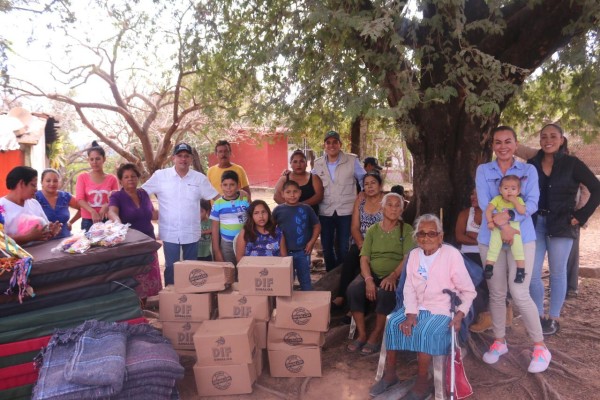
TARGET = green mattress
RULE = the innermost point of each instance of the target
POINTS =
(112, 307)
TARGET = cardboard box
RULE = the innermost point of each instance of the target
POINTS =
(287, 339)
(232, 304)
(299, 362)
(260, 334)
(180, 334)
(224, 380)
(265, 276)
(225, 342)
(202, 276)
(175, 306)
(228, 379)
(307, 311)
(259, 363)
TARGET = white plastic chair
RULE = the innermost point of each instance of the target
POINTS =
(438, 366)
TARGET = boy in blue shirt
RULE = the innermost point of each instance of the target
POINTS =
(301, 228)
(228, 216)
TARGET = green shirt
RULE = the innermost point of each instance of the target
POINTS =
(205, 243)
(386, 250)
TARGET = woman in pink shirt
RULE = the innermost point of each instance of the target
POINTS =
(423, 323)
(94, 188)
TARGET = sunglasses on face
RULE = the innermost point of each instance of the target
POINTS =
(430, 234)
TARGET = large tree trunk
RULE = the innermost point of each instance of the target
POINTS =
(357, 142)
(441, 184)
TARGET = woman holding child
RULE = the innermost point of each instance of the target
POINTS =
(488, 177)
(557, 220)
(381, 260)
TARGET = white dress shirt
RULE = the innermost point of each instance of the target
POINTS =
(179, 203)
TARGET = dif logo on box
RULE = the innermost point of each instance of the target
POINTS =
(182, 310)
(221, 352)
(185, 337)
(242, 310)
(263, 283)
(198, 277)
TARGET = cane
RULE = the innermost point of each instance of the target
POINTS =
(454, 301)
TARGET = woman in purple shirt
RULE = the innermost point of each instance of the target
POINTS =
(132, 205)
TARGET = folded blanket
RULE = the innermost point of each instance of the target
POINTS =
(52, 384)
(99, 356)
(150, 353)
(94, 353)
(145, 393)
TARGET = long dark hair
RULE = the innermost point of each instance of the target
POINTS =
(563, 147)
(250, 226)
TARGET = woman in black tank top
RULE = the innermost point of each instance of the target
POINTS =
(311, 187)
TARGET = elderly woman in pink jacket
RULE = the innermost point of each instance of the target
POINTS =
(423, 324)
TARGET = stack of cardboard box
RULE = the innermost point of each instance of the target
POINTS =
(229, 349)
(260, 280)
(228, 358)
(191, 300)
(296, 334)
(233, 304)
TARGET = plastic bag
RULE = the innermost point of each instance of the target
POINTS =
(73, 244)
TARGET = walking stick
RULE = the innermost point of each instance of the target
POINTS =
(454, 301)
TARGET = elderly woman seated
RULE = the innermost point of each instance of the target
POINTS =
(423, 324)
(381, 260)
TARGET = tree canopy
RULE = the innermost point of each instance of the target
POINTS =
(442, 70)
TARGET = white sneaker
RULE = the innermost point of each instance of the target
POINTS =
(497, 349)
(540, 360)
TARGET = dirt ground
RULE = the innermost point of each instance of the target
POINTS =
(573, 373)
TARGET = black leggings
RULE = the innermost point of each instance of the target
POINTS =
(350, 269)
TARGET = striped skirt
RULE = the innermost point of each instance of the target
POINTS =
(431, 335)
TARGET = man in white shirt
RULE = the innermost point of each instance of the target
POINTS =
(179, 191)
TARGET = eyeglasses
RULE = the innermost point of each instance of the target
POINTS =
(430, 234)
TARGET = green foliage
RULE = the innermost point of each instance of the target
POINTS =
(566, 91)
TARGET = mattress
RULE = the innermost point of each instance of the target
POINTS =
(58, 297)
(118, 306)
(51, 268)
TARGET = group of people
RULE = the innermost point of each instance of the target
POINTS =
(527, 210)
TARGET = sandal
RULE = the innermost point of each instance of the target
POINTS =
(355, 346)
(370, 348)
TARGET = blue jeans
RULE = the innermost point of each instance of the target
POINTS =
(558, 249)
(337, 227)
(301, 268)
(173, 254)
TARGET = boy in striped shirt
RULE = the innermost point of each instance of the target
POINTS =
(228, 216)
